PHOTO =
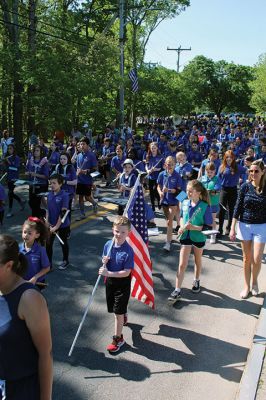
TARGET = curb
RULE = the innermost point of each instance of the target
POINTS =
(251, 375)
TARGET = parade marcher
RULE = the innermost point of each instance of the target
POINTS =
(38, 170)
(250, 212)
(104, 161)
(126, 181)
(212, 157)
(195, 216)
(25, 336)
(154, 164)
(117, 161)
(68, 172)
(6, 140)
(57, 207)
(12, 162)
(34, 236)
(118, 262)
(86, 163)
(184, 168)
(230, 174)
(53, 157)
(212, 183)
(169, 185)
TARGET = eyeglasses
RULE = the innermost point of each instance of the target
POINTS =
(255, 171)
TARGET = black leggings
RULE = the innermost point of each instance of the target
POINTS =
(63, 233)
(12, 195)
(154, 195)
(35, 200)
(228, 197)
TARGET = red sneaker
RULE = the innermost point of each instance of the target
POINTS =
(116, 344)
(125, 319)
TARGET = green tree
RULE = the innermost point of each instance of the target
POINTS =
(258, 86)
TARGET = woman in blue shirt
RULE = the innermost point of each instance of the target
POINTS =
(229, 173)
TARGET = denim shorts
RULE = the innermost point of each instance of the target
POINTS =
(254, 232)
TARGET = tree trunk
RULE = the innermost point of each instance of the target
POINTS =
(32, 55)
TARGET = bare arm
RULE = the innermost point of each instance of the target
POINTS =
(33, 309)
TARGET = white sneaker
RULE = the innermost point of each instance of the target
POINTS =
(9, 214)
(213, 239)
(167, 246)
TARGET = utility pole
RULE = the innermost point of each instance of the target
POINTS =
(179, 49)
(121, 64)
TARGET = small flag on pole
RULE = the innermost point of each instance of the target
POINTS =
(134, 80)
(141, 276)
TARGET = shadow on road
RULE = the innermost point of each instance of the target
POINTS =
(208, 354)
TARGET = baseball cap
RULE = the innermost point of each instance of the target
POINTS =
(128, 161)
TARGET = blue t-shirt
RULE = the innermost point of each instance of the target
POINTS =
(121, 257)
(56, 202)
(86, 161)
(152, 163)
(37, 260)
(117, 163)
(173, 181)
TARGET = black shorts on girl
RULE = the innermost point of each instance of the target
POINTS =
(83, 189)
(189, 242)
(117, 294)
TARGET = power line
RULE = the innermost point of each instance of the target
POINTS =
(179, 49)
(41, 32)
(44, 23)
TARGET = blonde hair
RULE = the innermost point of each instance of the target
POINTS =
(170, 159)
(122, 221)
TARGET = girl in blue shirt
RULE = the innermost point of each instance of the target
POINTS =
(169, 185)
(184, 168)
(154, 164)
(38, 171)
(229, 173)
(12, 164)
(34, 235)
(53, 157)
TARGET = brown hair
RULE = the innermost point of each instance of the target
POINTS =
(39, 226)
(149, 150)
(262, 184)
(199, 187)
(210, 166)
(122, 221)
(9, 251)
(233, 167)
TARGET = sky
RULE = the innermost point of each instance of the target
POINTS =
(230, 30)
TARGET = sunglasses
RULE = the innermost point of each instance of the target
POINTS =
(255, 171)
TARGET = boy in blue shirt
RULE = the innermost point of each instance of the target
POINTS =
(118, 262)
(57, 206)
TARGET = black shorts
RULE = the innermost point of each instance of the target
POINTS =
(189, 242)
(117, 294)
(83, 189)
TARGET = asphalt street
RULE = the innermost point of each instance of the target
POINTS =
(196, 349)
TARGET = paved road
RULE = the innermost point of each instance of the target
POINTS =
(193, 350)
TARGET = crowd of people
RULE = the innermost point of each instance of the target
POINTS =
(193, 172)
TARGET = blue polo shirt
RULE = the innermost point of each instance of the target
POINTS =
(183, 170)
(37, 260)
(231, 180)
(173, 181)
(117, 163)
(69, 173)
(121, 257)
(151, 163)
(86, 161)
(128, 181)
(56, 202)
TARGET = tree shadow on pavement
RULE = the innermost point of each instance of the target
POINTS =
(208, 354)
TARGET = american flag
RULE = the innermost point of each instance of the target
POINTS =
(134, 80)
(141, 277)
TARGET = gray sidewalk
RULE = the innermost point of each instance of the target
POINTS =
(196, 349)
